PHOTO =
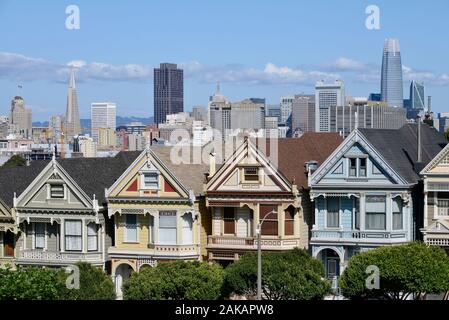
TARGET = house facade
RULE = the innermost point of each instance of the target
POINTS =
(59, 210)
(8, 232)
(156, 206)
(436, 200)
(368, 193)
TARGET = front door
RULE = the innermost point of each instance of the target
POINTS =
(8, 244)
(332, 268)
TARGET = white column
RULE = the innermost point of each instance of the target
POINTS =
(362, 211)
(62, 236)
(425, 209)
(281, 220)
(84, 236)
(389, 212)
(156, 228)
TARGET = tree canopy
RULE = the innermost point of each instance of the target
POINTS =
(409, 270)
(94, 284)
(179, 280)
(289, 275)
(15, 161)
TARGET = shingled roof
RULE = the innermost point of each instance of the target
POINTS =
(93, 175)
(190, 174)
(294, 153)
(400, 147)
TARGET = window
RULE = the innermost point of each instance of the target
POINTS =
(8, 244)
(251, 174)
(73, 235)
(151, 238)
(131, 228)
(375, 213)
(333, 213)
(352, 167)
(229, 220)
(362, 168)
(151, 180)
(39, 235)
(187, 224)
(289, 222)
(397, 214)
(167, 227)
(92, 237)
(270, 225)
(443, 207)
(357, 213)
(57, 191)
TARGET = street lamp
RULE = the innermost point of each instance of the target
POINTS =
(259, 255)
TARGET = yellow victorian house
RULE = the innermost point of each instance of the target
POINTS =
(155, 205)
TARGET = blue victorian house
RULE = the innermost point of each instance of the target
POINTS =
(368, 192)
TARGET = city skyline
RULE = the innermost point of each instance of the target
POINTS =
(251, 63)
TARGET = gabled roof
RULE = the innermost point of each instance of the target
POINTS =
(93, 175)
(294, 153)
(436, 160)
(190, 174)
(399, 147)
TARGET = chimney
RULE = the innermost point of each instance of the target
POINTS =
(429, 104)
(212, 164)
(310, 166)
(419, 139)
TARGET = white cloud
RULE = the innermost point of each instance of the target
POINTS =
(18, 67)
(346, 64)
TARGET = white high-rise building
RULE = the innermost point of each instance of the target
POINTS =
(103, 115)
(326, 96)
(286, 108)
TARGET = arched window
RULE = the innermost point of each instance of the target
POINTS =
(187, 226)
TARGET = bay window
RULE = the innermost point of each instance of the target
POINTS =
(187, 225)
(333, 213)
(397, 214)
(39, 235)
(375, 217)
(131, 228)
(92, 237)
(270, 224)
(73, 235)
(167, 227)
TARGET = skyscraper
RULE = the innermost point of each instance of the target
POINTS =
(20, 118)
(303, 113)
(326, 96)
(417, 98)
(103, 115)
(391, 77)
(168, 91)
(72, 116)
(286, 108)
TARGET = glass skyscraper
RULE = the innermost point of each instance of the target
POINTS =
(391, 78)
(417, 95)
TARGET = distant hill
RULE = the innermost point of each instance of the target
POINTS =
(85, 123)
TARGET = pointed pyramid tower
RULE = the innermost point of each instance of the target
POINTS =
(73, 126)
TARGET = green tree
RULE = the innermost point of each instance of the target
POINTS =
(15, 161)
(176, 280)
(289, 275)
(94, 284)
(29, 284)
(404, 271)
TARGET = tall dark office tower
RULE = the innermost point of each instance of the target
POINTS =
(391, 82)
(168, 91)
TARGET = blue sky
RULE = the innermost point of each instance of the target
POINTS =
(254, 48)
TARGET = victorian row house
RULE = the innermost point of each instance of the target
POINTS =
(264, 185)
(436, 200)
(331, 196)
(368, 192)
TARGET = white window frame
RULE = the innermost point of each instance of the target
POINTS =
(45, 236)
(126, 240)
(66, 235)
(172, 213)
(339, 214)
(437, 207)
(49, 185)
(192, 219)
(91, 236)
(142, 180)
(392, 214)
